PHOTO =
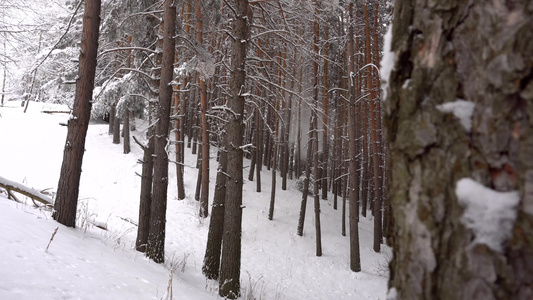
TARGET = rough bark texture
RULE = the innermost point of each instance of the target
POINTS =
(479, 51)
(156, 234)
(69, 179)
(230, 266)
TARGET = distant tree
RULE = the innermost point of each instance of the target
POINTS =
(353, 164)
(204, 195)
(4, 59)
(375, 125)
(69, 180)
(459, 113)
(314, 136)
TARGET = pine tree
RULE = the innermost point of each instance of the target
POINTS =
(69, 180)
(157, 227)
(230, 266)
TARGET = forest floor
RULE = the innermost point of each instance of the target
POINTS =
(91, 263)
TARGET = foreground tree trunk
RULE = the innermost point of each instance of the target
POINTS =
(230, 265)
(458, 119)
(156, 233)
(69, 180)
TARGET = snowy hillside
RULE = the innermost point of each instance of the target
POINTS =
(90, 263)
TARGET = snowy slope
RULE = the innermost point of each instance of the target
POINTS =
(88, 263)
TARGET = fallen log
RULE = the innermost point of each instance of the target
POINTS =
(55, 111)
(11, 186)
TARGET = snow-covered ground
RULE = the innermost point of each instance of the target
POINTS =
(90, 263)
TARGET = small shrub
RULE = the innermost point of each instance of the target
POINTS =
(301, 182)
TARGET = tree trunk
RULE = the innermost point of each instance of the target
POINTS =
(259, 130)
(253, 150)
(374, 139)
(204, 196)
(178, 134)
(69, 180)
(343, 224)
(127, 111)
(287, 126)
(5, 73)
(126, 132)
(274, 167)
(112, 113)
(199, 177)
(230, 267)
(314, 134)
(458, 116)
(298, 159)
(325, 104)
(211, 267)
(146, 190)
(145, 202)
(305, 192)
(275, 143)
(355, 260)
(156, 236)
(116, 128)
(259, 150)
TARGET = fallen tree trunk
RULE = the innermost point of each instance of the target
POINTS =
(56, 111)
(36, 195)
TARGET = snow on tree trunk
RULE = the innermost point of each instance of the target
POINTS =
(451, 167)
(69, 180)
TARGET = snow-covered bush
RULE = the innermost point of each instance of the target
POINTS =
(301, 182)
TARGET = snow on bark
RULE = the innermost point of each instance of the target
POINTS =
(488, 213)
(392, 294)
(462, 110)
